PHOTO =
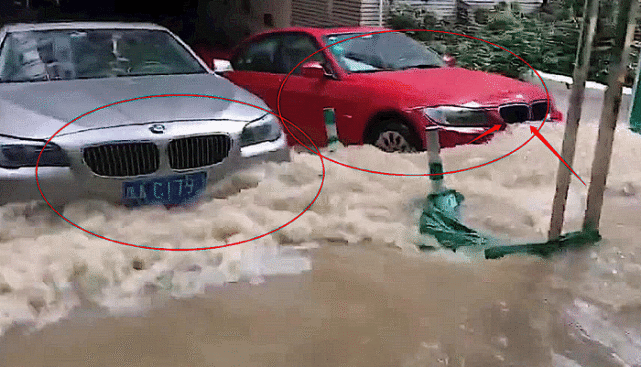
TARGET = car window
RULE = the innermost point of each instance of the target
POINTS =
(295, 48)
(277, 54)
(383, 51)
(93, 53)
(258, 56)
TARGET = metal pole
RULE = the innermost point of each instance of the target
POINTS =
(581, 68)
(434, 159)
(332, 134)
(612, 102)
(380, 13)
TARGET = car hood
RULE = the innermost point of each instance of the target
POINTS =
(38, 110)
(456, 86)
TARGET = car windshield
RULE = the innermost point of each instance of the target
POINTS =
(381, 52)
(30, 56)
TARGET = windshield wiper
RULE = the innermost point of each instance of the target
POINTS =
(421, 66)
(373, 70)
(32, 80)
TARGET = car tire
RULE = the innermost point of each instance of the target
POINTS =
(393, 136)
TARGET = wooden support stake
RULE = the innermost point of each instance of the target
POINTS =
(612, 102)
(581, 68)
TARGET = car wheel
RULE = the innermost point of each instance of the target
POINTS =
(395, 137)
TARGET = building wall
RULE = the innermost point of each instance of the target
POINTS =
(335, 13)
(528, 6)
(345, 12)
(370, 12)
(228, 22)
(281, 11)
(311, 13)
(447, 8)
(441, 8)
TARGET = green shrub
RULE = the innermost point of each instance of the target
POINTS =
(547, 40)
(403, 21)
(430, 21)
(482, 16)
(502, 21)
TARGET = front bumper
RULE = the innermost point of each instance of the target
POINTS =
(62, 185)
(451, 136)
(276, 151)
(59, 185)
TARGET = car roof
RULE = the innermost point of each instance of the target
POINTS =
(324, 31)
(19, 27)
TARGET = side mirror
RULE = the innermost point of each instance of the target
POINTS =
(313, 69)
(449, 60)
(220, 66)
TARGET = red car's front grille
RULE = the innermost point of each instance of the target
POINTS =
(521, 112)
(515, 113)
(539, 110)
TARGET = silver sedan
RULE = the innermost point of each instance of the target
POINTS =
(157, 150)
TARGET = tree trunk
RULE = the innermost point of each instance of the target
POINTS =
(612, 102)
(581, 69)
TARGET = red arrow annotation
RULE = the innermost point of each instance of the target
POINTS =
(538, 135)
(493, 129)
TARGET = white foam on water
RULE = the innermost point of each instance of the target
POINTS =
(48, 267)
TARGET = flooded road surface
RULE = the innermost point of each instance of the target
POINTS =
(358, 307)
(344, 285)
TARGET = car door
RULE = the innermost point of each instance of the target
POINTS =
(255, 69)
(261, 67)
(304, 99)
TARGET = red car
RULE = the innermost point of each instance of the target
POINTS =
(384, 88)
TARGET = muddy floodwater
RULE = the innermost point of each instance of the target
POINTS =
(345, 284)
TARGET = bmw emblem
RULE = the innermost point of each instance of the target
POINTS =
(157, 128)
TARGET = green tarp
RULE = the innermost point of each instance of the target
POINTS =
(441, 219)
(635, 113)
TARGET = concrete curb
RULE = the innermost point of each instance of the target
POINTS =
(568, 81)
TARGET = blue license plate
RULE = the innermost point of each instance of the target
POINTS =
(172, 190)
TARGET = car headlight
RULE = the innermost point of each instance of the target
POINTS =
(16, 155)
(456, 116)
(264, 129)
